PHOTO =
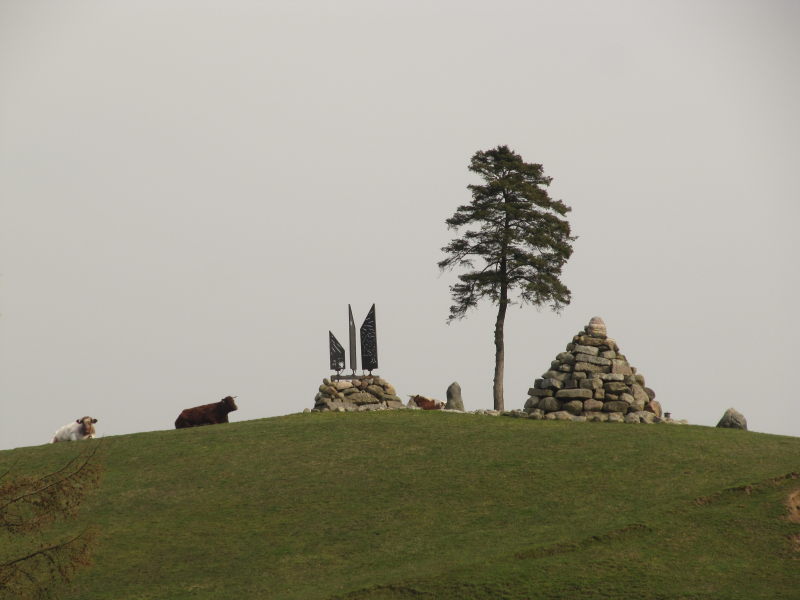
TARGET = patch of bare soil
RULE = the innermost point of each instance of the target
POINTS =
(793, 504)
(748, 489)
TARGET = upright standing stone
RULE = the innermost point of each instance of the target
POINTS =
(454, 401)
(733, 419)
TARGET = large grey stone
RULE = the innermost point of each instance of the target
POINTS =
(361, 398)
(616, 417)
(654, 406)
(616, 387)
(585, 340)
(596, 416)
(594, 360)
(733, 419)
(639, 393)
(590, 368)
(549, 404)
(328, 390)
(555, 375)
(454, 401)
(596, 327)
(539, 393)
(560, 415)
(531, 403)
(574, 407)
(376, 391)
(632, 418)
(566, 358)
(595, 383)
(612, 377)
(550, 384)
(592, 405)
(580, 349)
(621, 366)
(615, 406)
(575, 394)
(637, 404)
(650, 393)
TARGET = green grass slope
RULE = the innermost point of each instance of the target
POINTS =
(402, 504)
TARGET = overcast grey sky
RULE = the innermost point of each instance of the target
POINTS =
(191, 192)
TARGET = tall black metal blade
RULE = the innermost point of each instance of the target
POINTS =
(353, 362)
(337, 353)
(369, 342)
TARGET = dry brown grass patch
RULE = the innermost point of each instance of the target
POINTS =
(793, 504)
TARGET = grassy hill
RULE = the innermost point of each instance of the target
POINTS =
(397, 505)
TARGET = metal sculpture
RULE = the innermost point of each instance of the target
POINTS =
(353, 363)
(369, 342)
(369, 346)
(337, 353)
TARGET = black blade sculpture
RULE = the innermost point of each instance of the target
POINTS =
(337, 353)
(369, 342)
(353, 363)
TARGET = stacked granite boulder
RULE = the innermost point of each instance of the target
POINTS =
(354, 394)
(593, 381)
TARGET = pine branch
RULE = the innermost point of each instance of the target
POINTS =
(28, 504)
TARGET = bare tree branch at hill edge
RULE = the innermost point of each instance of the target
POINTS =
(28, 505)
(518, 235)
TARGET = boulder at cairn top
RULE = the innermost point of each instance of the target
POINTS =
(454, 401)
(733, 419)
(596, 327)
(593, 373)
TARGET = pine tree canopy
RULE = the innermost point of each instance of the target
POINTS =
(513, 229)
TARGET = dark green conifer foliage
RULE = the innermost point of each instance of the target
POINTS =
(518, 235)
(32, 567)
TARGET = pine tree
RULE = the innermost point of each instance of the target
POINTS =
(32, 567)
(518, 234)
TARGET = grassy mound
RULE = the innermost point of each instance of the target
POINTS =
(404, 504)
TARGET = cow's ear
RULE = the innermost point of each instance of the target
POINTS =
(94, 420)
(78, 421)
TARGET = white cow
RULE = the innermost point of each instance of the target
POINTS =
(82, 429)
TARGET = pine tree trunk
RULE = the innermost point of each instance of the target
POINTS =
(499, 356)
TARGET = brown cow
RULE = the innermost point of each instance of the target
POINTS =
(426, 403)
(208, 414)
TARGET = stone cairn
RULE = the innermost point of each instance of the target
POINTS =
(353, 394)
(593, 381)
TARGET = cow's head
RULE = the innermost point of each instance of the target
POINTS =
(87, 426)
(228, 403)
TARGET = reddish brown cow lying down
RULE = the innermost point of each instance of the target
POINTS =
(426, 403)
(208, 414)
